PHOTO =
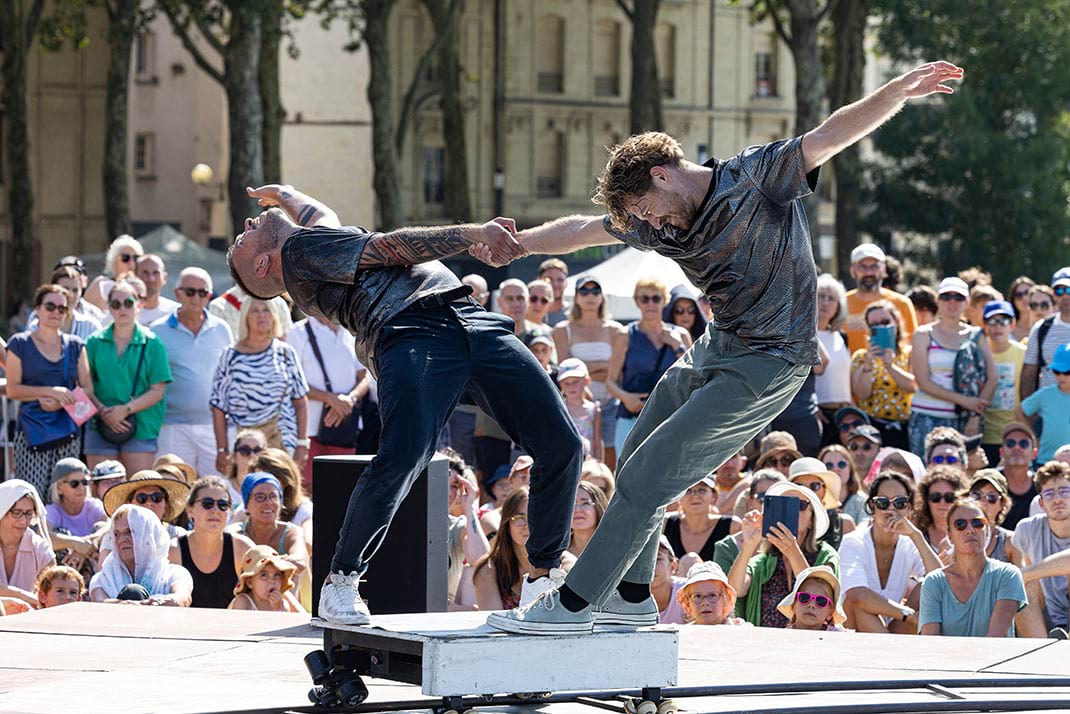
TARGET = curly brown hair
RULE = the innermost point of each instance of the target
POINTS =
(923, 517)
(626, 175)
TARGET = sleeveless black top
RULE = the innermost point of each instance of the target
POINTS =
(215, 589)
(672, 532)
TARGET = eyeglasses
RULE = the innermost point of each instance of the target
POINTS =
(520, 521)
(846, 426)
(1040, 305)
(992, 498)
(249, 450)
(272, 497)
(128, 303)
(698, 491)
(589, 291)
(128, 257)
(820, 600)
(210, 503)
(866, 446)
(957, 297)
(645, 299)
(198, 292)
(55, 307)
(585, 503)
(883, 503)
(142, 498)
(960, 524)
(1001, 321)
(75, 482)
(1019, 443)
(696, 598)
(841, 464)
(941, 459)
(1050, 494)
(540, 300)
(21, 515)
(885, 321)
(785, 460)
(1061, 290)
(683, 310)
(947, 497)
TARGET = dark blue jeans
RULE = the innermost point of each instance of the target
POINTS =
(425, 359)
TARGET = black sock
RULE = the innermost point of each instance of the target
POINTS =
(633, 592)
(572, 601)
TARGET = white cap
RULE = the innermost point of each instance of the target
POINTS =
(953, 285)
(1061, 277)
(867, 250)
(571, 367)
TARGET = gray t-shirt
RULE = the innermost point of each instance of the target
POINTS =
(749, 250)
(1033, 537)
(319, 267)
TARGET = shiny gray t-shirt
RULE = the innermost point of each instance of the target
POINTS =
(319, 267)
(749, 250)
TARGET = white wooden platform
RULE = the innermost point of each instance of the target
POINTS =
(460, 655)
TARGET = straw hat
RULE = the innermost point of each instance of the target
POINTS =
(809, 466)
(259, 557)
(188, 473)
(177, 492)
(821, 572)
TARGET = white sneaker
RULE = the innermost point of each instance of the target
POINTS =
(340, 601)
(545, 616)
(532, 589)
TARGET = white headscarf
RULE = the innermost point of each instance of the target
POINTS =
(13, 490)
(151, 567)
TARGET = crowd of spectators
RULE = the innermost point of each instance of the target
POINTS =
(162, 451)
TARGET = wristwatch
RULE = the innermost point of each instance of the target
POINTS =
(222, 450)
(304, 442)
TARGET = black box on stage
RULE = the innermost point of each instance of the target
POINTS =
(408, 572)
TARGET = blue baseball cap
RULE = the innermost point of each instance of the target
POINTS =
(998, 307)
(499, 473)
(1061, 361)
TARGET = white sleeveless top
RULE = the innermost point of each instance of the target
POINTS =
(591, 352)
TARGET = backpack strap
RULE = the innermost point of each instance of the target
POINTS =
(1042, 334)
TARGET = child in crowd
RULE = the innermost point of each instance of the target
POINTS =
(573, 378)
(265, 583)
(814, 603)
(59, 585)
(666, 584)
(1052, 404)
(707, 598)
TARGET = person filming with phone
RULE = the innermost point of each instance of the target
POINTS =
(881, 379)
(778, 543)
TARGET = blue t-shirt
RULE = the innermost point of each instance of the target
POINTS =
(1054, 407)
(999, 581)
(192, 358)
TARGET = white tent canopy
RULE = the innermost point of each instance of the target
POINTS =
(619, 274)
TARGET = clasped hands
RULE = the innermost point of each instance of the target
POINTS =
(496, 243)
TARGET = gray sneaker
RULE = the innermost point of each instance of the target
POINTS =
(618, 612)
(544, 616)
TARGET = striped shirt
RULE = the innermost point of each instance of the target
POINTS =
(249, 388)
(1058, 334)
(942, 373)
(748, 249)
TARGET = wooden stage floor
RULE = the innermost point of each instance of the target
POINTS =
(114, 658)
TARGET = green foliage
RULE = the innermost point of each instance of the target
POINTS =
(65, 24)
(981, 177)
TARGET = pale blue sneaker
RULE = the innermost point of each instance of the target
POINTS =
(544, 616)
(618, 612)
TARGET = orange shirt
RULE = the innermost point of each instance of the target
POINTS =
(855, 326)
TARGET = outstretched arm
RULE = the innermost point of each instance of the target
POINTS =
(851, 123)
(562, 235)
(300, 207)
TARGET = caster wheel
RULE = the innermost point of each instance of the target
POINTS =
(646, 707)
(323, 697)
(545, 695)
(352, 692)
(667, 707)
(318, 666)
(524, 695)
(469, 711)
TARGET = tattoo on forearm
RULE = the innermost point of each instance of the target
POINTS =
(410, 246)
(307, 214)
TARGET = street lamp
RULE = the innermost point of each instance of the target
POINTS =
(213, 209)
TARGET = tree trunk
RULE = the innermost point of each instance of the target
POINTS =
(457, 200)
(122, 31)
(244, 112)
(644, 102)
(270, 96)
(849, 62)
(386, 181)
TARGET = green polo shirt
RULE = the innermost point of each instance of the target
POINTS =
(113, 374)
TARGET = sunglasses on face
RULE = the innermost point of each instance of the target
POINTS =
(1061, 290)
(758, 495)
(128, 257)
(1021, 293)
(960, 524)
(948, 497)
(75, 483)
(128, 303)
(956, 297)
(940, 459)
(992, 498)
(866, 446)
(883, 503)
(1002, 321)
(830, 465)
(885, 321)
(1039, 305)
(646, 299)
(142, 498)
(540, 300)
(846, 426)
(55, 307)
(210, 503)
(1050, 494)
(589, 291)
(803, 505)
(820, 600)
(249, 450)
(785, 460)
(683, 310)
(514, 298)
(198, 292)
(1019, 443)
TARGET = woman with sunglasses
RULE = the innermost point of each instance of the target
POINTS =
(119, 262)
(589, 335)
(882, 562)
(130, 371)
(641, 354)
(881, 377)
(683, 311)
(248, 445)
(151, 490)
(1041, 303)
(211, 555)
(25, 553)
(934, 351)
(44, 368)
(1023, 316)
(938, 489)
(73, 508)
(726, 549)
(988, 488)
(973, 595)
(766, 566)
(838, 460)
